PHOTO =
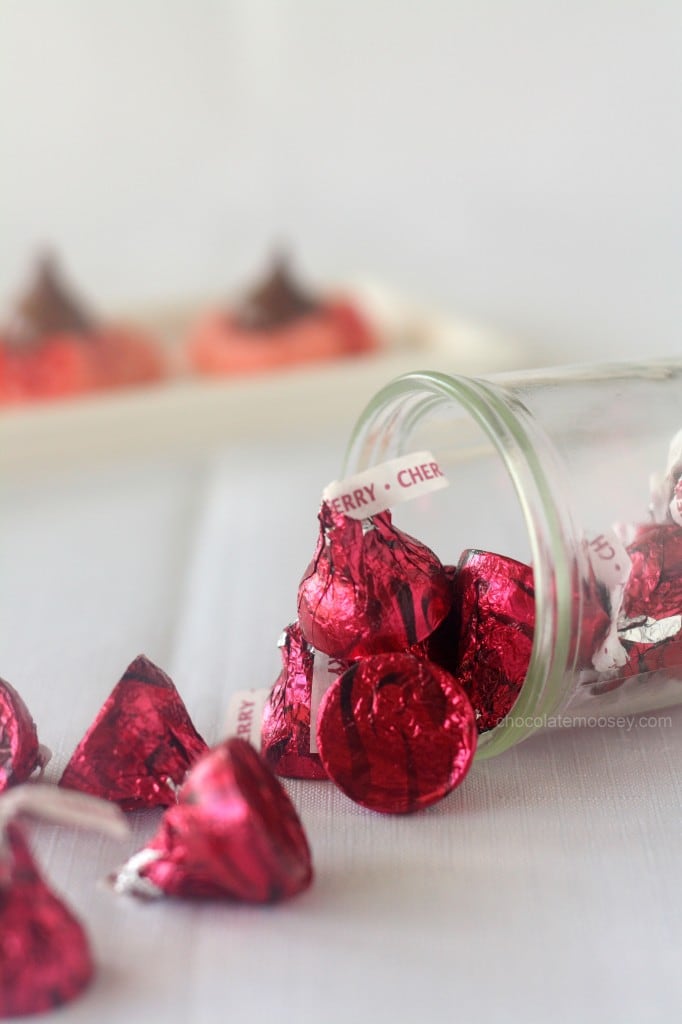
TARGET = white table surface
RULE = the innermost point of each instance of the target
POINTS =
(546, 888)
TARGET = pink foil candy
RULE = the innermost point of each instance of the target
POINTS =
(396, 733)
(20, 752)
(654, 587)
(233, 834)
(140, 746)
(285, 738)
(45, 957)
(496, 602)
(370, 588)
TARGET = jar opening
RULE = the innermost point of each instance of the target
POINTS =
(505, 495)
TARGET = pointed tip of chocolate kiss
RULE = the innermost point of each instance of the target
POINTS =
(47, 307)
(144, 670)
(141, 744)
(277, 300)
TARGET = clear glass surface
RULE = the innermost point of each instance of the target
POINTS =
(538, 463)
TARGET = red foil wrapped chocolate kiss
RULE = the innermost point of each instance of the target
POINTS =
(496, 602)
(233, 834)
(140, 746)
(370, 588)
(20, 752)
(285, 737)
(654, 587)
(396, 733)
(45, 957)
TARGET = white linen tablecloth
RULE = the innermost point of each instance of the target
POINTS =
(546, 888)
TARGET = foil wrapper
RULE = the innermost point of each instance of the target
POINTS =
(285, 739)
(370, 588)
(442, 646)
(651, 645)
(45, 957)
(233, 834)
(649, 626)
(664, 656)
(396, 733)
(597, 642)
(496, 601)
(650, 631)
(141, 744)
(20, 752)
(654, 587)
(44, 953)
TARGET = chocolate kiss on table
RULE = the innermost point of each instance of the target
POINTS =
(370, 588)
(47, 308)
(285, 736)
(276, 302)
(496, 601)
(140, 746)
(234, 834)
(20, 752)
(45, 957)
(396, 733)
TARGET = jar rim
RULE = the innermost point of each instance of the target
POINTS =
(537, 475)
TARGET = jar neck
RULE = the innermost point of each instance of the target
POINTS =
(534, 467)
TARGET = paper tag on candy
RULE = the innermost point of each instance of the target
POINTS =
(381, 487)
(666, 499)
(609, 559)
(245, 715)
(611, 565)
(675, 507)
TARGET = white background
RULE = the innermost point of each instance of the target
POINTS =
(519, 162)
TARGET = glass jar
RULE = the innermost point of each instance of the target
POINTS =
(541, 466)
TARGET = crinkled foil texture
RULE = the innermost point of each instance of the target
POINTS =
(19, 748)
(285, 735)
(370, 588)
(496, 601)
(141, 744)
(396, 733)
(234, 833)
(654, 587)
(45, 957)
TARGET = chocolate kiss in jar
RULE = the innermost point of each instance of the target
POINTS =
(562, 528)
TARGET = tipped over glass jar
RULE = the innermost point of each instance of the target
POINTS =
(575, 471)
